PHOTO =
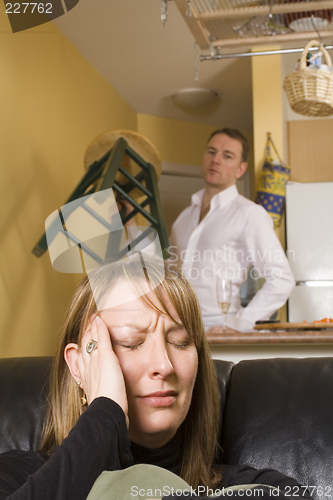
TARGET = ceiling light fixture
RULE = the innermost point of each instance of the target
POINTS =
(195, 98)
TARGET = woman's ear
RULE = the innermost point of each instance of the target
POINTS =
(71, 354)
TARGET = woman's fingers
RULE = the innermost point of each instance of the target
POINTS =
(102, 372)
(104, 341)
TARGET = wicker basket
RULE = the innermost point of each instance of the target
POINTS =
(310, 91)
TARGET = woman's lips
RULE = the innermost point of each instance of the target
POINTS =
(160, 398)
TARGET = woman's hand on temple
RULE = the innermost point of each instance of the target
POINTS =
(100, 370)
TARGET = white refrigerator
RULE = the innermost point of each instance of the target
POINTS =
(309, 244)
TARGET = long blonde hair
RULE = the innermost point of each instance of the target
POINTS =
(200, 427)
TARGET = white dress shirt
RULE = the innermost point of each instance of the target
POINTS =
(234, 236)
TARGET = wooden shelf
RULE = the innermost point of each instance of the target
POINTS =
(220, 27)
(263, 10)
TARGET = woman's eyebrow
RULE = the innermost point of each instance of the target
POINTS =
(177, 326)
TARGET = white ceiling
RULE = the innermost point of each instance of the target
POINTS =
(146, 62)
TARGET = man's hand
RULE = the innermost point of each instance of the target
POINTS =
(123, 204)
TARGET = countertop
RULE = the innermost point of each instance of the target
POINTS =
(216, 337)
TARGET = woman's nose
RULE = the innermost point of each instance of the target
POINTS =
(160, 364)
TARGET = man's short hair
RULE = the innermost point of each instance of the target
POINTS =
(233, 133)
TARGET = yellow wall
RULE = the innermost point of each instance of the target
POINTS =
(267, 117)
(267, 104)
(53, 103)
(177, 141)
(267, 112)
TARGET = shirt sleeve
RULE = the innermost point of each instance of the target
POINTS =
(245, 474)
(265, 484)
(99, 441)
(269, 262)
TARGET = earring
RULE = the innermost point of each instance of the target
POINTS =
(83, 398)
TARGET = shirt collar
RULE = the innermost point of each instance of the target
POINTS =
(197, 197)
(220, 199)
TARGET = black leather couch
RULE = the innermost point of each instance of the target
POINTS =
(275, 413)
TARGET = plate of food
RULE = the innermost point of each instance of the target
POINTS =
(325, 323)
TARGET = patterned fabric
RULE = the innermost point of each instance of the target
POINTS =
(272, 185)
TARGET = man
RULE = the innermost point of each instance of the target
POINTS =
(223, 234)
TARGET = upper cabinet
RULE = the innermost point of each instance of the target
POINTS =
(310, 149)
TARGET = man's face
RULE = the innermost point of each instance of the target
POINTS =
(222, 162)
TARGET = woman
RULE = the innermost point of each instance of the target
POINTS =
(133, 382)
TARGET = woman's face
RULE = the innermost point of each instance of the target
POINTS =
(159, 362)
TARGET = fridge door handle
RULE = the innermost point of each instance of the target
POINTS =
(315, 283)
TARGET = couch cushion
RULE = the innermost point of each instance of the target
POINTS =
(279, 414)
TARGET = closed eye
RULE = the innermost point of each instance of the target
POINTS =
(179, 345)
(132, 347)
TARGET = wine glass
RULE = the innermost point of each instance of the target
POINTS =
(223, 292)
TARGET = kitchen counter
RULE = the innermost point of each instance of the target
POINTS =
(236, 346)
(216, 336)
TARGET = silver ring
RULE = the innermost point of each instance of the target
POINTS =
(91, 346)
